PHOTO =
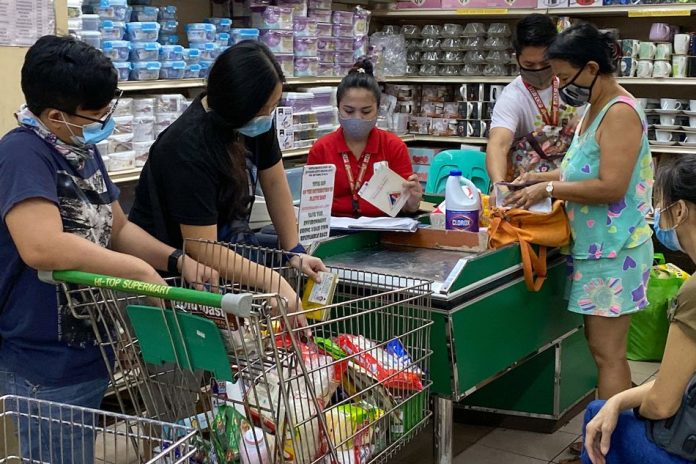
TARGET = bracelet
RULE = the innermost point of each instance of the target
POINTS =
(173, 262)
(298, 249)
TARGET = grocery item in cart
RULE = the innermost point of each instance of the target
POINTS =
(319, 295)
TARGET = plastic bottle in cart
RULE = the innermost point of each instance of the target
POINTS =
(462, 203)
(253, 447)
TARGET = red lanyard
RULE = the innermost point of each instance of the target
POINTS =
(549, 120)
(355, 186)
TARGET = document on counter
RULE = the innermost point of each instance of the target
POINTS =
(385, 190)
(378, 223)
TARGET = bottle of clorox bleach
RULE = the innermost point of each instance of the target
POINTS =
(462, 203)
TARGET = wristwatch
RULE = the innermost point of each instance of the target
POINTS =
(549, 189)
(173, 261)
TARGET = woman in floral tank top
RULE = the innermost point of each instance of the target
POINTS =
(606, 181)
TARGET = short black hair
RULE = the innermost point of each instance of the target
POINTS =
(675, 180)
(361, 76)
(535, 30)
(67, 74)
(582, 43)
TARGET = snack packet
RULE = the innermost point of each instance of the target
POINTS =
(319, 295)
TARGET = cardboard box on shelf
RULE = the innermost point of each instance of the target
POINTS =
(284, 118)
(422, 156)
(286, 139)
(429, 4)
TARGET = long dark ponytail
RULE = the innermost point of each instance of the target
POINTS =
(240, 83)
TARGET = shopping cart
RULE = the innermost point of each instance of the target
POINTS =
(237, 362)
(38, 431)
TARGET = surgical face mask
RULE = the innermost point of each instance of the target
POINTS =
(257, 126)
(92, 133)
(577, 95)
(667, 237)
(356, 128)
(537, 78)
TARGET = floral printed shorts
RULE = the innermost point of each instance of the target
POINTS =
(611, 287)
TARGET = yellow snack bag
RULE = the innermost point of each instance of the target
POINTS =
(319, 295)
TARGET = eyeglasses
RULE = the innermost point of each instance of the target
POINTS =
(108, 115)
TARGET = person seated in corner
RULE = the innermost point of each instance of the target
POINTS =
(358, 144)
(616, 431)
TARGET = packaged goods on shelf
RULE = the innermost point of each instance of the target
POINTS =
(273, 17)
(322, 96)
(200, 32)
(120, 142)
(144, 13)
(121, 161)
(300, 102)
(221, 24)
(145, 51)
(278, 41)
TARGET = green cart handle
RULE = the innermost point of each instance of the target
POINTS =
(237, 304)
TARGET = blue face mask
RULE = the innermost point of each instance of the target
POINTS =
(257, 126)
(667, 237)
(92, 133)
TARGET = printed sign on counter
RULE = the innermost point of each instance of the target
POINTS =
(314, 218)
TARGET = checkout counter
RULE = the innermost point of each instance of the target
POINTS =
(497, 348)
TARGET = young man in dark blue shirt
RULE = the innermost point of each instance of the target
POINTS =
(60, 211)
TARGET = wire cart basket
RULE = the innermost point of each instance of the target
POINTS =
(264, 372)
(37, 431)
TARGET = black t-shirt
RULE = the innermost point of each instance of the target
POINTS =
(186, 181)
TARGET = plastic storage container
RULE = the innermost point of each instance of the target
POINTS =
(326, 69)
(305, 46)
(208, 50)
(167, 12)
(326, 56)
(320, 16)
(90, 22)
(145, 51)
(168, 27)
(191, 55)
(142, 152)
(305, 27)
(320, 4)
(240, 35)
(115, 10)
(324, 29)
(116, 50)
(342, 30)
(273, 17)
(173, 70)
(221, 24)
(343, 44)
(123, 69)
(287, 63)
(143, 129)
(145, 70)
(327, 116)
(344, 57)
(143, 32)
(300, 102)
(193, 71)
(144, 107)
(342, 69)
(306, 66)
(112, 30)
(205, 68)
(323, 96)
(326, 44)
(222, 39)
(200, 32)
(168, 39)
(278, 41)
(93, 38)
(144, 13)
(171, 53)
(121, 161)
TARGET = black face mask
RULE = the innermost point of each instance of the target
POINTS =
(538, 78)
(577, 95)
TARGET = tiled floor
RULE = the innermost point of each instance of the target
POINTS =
(486, 445)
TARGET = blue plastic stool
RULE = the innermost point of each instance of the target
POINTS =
(472, 164)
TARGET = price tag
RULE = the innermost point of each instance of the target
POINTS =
(652, 13)
(481, 11)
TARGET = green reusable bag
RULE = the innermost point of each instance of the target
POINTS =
(647, 334)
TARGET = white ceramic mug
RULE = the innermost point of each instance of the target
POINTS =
(663, 135)
(692, 105)
(663, 51)
(679, 65)
(643, 102)
(692, 121)
(644, 69)
(495, 92)
(668, 119)
(647, 51)
(670, 104)
(690, 138)
(681, 44)
(662, 69)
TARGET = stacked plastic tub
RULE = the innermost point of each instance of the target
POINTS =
(202, 38)
(275, 25)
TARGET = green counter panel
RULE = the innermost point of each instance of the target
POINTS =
(578, 370)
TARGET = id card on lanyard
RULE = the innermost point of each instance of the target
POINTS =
(552, 118)
(355, 185)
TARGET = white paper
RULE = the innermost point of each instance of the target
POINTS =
(385, 190)
(379, 223)
(502, 191)
(314, 217)
(22, 22)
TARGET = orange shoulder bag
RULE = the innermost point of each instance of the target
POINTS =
(528, 228)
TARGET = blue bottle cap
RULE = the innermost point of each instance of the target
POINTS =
(455, 172)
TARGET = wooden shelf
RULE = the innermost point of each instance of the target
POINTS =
(449, 79)
(656, 11)
(313, 80)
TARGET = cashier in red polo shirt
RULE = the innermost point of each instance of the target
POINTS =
(358, 144)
